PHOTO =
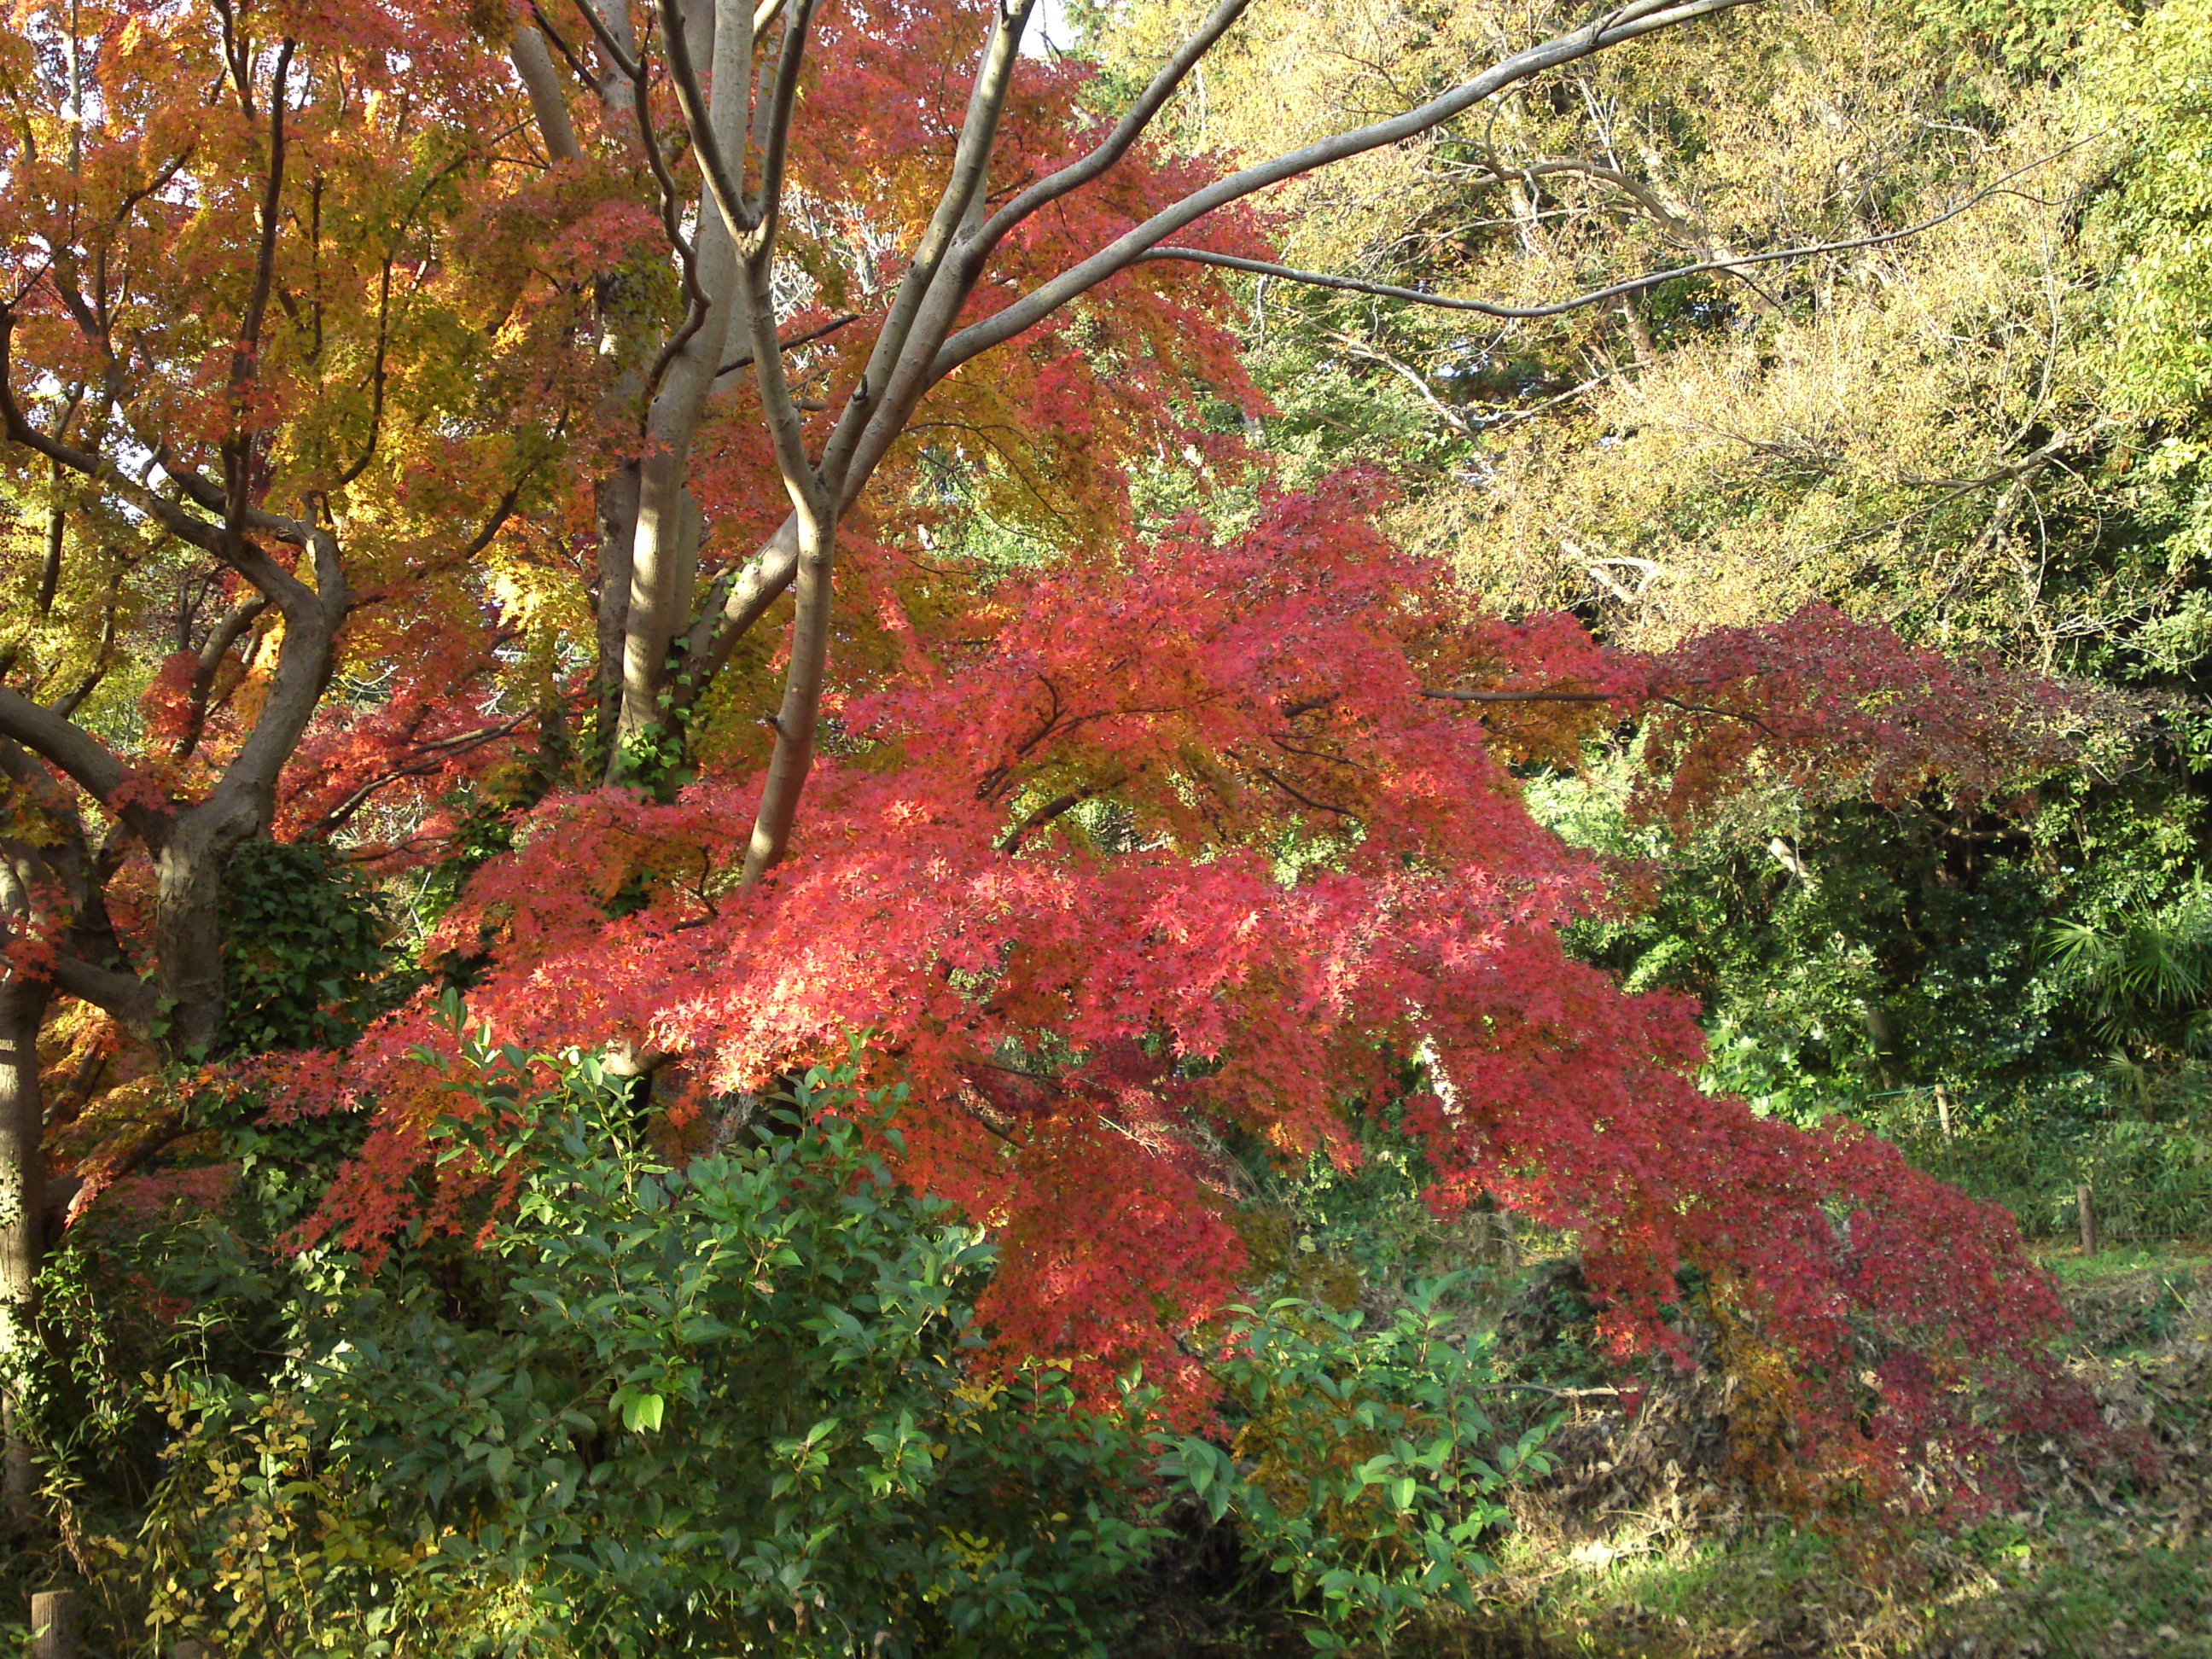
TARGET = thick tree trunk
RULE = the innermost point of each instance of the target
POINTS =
(663, 554)
(22, 1217)
(188, 933)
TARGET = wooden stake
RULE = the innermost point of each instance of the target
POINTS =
(53, 1625)
(2088, 1215)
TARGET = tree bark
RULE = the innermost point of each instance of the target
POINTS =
(188, 931)
(617, 500)
(661, 548)
(23, 1211)
(801, 711)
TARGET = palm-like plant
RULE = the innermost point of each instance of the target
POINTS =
(2144, 981)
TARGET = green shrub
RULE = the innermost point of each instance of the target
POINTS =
(723, 1407)
(1365, 1469)
(709, 1409)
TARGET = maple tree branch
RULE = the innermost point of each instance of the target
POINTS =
(1289, 748)
(786, 429)
(985, 435)
(800, 712)
(376, 377)
(1626, 23)
(664, 525)
(236, 49)
(245, 360)
(791, 343)
(870, 421)
(18, 429)
(1717, 714)
(221, 638)
(1058, 807)
(672, 207)
(929, 294)
(1297, 794)
(70, 700)
(501, 512)
(923, 310)
(130, 998)
(437, 755)
(54, 738)
(570, 55)
(549, 100)
(753, 226)
(243, 798)
(775, 111)
(1519, 696)
(734, 602)
(725, 187)
(1127, 131)
(264, 257)
(609, 26)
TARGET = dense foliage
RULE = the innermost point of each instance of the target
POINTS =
(1625, 748)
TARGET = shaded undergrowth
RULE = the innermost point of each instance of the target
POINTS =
(1645, 1544)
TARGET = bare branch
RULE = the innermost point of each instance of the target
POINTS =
(1634, 285)
(1445, 412)
(791, 343)
(1626, 23)
(1130, 128)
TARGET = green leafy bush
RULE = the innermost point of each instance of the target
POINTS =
(1365, 1469)
(723, 1406)
(709, 1409)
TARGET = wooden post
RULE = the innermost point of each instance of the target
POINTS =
(53, 1625)
(2088, 1214)
(1943, 1110)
